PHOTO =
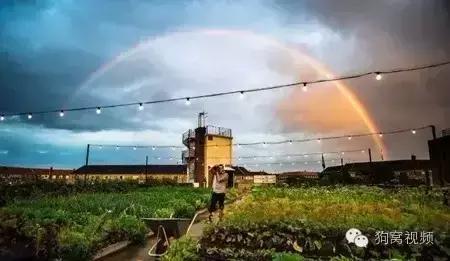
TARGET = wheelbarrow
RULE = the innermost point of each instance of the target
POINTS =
(165, 229)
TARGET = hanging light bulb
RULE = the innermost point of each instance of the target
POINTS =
(30, 116)
(101, 147)
(380, 135)
(349, 137)
(2, 118)
(241, 95)
(98, 110)
(304, 88)
(290, 142)
(117, 147)
(378, 76)
(134, 148)
(61, 113)
(318, 140)
(264, 144)
(413, 131)
(153, 148)
(188, 102)
(141, 107)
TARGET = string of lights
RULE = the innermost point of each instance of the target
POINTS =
(266, 143)
(292, 163)
(140, 105)
(287, 156)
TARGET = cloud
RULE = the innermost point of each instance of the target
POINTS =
(49, 49)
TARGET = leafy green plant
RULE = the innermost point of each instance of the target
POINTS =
(74, 227)
(287, 257)
(182, 249)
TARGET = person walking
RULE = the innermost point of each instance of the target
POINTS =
(219, 186)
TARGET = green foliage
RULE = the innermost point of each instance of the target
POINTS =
(183, 249)
(287, 257)
(312, 221)
(74, 227)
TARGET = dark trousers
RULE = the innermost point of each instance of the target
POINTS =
(216, 198)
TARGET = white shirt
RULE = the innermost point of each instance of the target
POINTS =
(220, 183)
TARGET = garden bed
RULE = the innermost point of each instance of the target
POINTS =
(75, 227)
(312, 222)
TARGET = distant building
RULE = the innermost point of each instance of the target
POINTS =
(411, 172)
(139, 173)
(20, 174)
(206, 146)
(297, 177)
(245, 179)
(440, 157)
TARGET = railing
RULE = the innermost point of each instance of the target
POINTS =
(213, 130)
(189, 134)
(187, 154)
(210, 130)
(446, 132)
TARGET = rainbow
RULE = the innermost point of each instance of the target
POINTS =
(320, 68)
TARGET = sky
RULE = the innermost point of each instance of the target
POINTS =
(68, 54)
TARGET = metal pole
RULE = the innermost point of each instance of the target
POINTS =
(87, 154)
(146, 171)
(370, 155)
(87, 162)
(433, 131)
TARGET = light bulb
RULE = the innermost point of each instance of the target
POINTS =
(30, 116)
(141, 107)
(2, 118)
(380, 135)
(98, 110)
(134, 148)
(304, 88)
(117, 147)
(61, 113)
(378, 76)
(349, 137)
(153, 148)
(188, 102)
(413, 131)
(290, 142)
(241, 95)
(318, 140)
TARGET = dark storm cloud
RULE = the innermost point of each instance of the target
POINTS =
(49, 48)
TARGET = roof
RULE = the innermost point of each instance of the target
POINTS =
(298, 174)
(245, 172)
(32, 171)
(132, 169)
(395, 165)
